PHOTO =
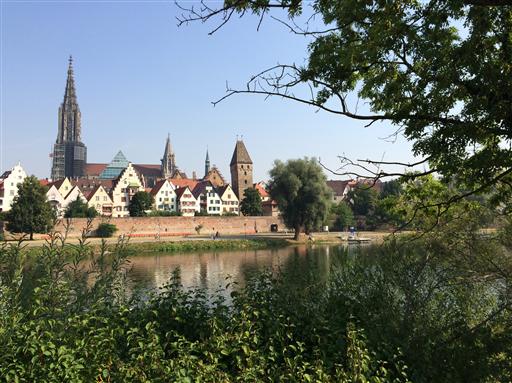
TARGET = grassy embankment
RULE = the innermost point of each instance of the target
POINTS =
(173, 246)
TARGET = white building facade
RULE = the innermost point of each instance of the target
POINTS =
(9, 182)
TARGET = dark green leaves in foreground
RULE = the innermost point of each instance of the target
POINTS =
(429, 310)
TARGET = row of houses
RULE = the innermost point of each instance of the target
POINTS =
(181, 195)
(112, 197)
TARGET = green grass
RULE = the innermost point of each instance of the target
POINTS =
(191, 246)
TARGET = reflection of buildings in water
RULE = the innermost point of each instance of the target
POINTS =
(213, 271)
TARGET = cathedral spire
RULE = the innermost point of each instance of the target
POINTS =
(70, 154)
(168, 162)
(206, 163)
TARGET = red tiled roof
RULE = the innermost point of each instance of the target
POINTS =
(94, 169)
(180, 191)
(182, 182)
(338, 187)
(44, 182)
(157, 187)
(91, 194)
(86, 184)
(57, 184)
(261, 189)
(148, 170)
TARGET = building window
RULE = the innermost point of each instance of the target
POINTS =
(123, 199)
(97, 198)
(245, 182)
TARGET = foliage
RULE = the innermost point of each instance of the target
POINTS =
(140, 203)
(302, 195)
(251, 203)
(164, 213)
(106, 230)
(439, 71)
(64, 326)
(363, 200)
(80, 209)
(391, 188)
(405, 311)
(341, 216)
(201, 213)
(205, 245)
(229, 214)
(30, 211)
(419, 205)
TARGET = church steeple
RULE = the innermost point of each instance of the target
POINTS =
(168, 161)
(70, 128)
(69, 153)
(206, 163)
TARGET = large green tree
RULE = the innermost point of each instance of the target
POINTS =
(299, 187)
(439, 70)
(30, 211)
(140, 203)
(80, 209)
(341, 216)
(251, 203)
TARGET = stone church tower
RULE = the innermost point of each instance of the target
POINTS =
(206, 164)
(241, 169)
(168, 162)
(69, 153)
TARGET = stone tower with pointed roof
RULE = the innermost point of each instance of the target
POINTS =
(168, 162)
(69, 153)
(206, 164)
(241, 169)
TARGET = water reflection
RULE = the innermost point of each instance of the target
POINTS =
(213, 270)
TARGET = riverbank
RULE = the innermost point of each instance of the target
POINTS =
(149, 245)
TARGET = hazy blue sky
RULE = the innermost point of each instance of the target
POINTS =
(139, 77)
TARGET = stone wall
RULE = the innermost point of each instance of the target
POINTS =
(178, 226)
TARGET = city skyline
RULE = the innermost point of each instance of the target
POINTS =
(139, 77)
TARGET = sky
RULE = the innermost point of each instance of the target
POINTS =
(139, 77)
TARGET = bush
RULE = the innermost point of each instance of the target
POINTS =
(164, 213)
(106, 230)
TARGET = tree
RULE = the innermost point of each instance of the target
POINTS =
(30, 211)
(251, 203)
(362, 200)
(342, 215)
(80, 209)
(140, 202)
(302, 195)
(438, 70)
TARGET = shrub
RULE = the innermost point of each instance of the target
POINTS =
(164, 213)
(106, 230)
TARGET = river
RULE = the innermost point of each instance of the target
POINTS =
(214, 270)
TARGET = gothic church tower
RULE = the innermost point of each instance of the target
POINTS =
(69, 153)
(241, 169)
(168, 162)
(206, 164)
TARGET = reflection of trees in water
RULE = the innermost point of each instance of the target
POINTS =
(214, 270)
